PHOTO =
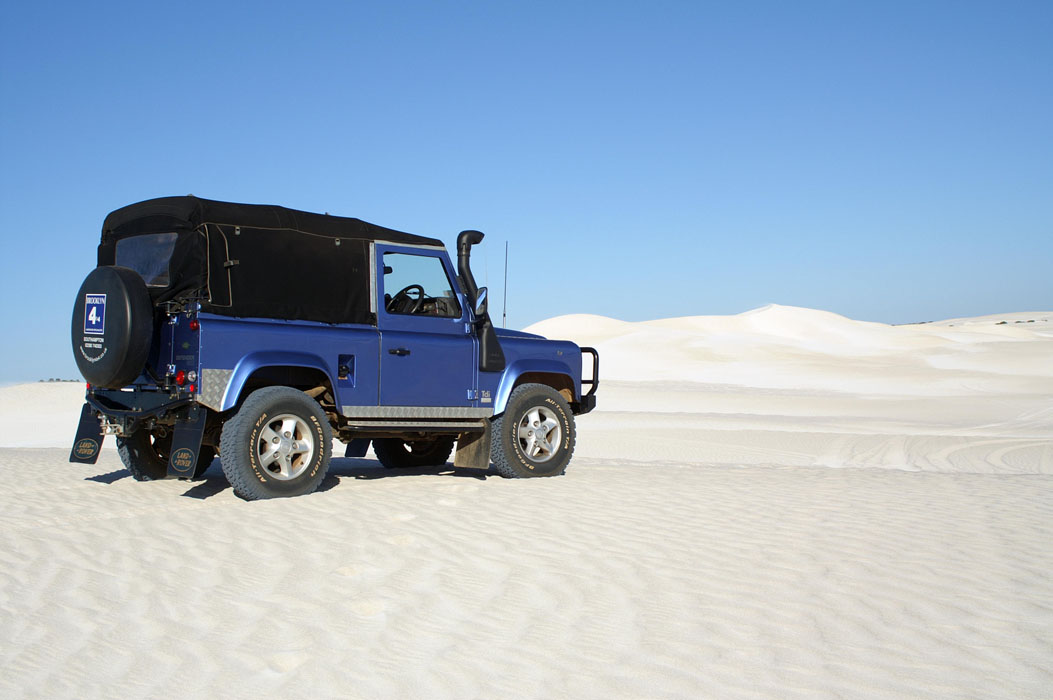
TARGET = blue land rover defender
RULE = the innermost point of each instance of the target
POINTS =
(261, 333)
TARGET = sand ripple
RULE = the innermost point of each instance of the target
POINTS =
(617, 580)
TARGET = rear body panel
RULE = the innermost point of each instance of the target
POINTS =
(233, 349)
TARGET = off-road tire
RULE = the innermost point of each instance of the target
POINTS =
(507, 451)
(146, 456)
(240, 443)
(396, 452)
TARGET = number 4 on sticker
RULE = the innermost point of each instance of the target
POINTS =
(95, 313)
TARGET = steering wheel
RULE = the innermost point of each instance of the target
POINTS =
(403, 303)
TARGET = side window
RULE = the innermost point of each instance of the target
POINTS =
(417, 284)
(148, 255)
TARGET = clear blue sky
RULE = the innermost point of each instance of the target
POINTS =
(890, 161)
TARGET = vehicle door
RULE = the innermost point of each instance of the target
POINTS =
(427, 350)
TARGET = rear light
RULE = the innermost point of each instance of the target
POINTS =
(88, 386)
(180, 377)
(191, 388)
(194, 325)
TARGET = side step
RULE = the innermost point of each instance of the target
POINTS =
(448, 426)
(432, 419)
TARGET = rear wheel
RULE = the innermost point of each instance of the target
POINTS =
(145, 454)
(427, 452)
(277, 444)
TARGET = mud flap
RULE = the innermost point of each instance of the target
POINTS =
(473, 450)
(88, 443)
(357, 447)
(186, 443)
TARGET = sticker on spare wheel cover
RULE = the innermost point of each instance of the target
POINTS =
(95, 313)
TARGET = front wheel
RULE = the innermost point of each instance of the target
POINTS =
(277, 444)
(535, 435)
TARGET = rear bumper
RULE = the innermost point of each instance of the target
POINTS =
(130, 407)
(123, 412)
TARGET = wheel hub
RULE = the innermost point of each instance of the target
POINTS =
(539, 434)
(286, 447)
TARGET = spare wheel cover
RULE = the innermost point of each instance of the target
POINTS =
(113, 323)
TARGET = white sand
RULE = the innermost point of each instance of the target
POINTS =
(700, 545)
(44, 414)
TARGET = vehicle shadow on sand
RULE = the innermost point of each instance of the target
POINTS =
(213, 482)
(208, 484)
(110, 477)
(349, 468)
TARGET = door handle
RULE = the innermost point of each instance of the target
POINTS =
(401, 352)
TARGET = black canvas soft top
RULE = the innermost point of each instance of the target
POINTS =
(259, 260)
(192, 212)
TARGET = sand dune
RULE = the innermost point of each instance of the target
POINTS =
(786, 347)
(780, 504)
(43, 414)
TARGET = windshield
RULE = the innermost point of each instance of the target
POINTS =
(148, 255)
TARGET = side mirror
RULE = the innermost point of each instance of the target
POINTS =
(480, 303)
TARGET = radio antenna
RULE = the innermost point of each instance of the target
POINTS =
(504, 297)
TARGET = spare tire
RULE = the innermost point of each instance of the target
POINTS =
(113, 326)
